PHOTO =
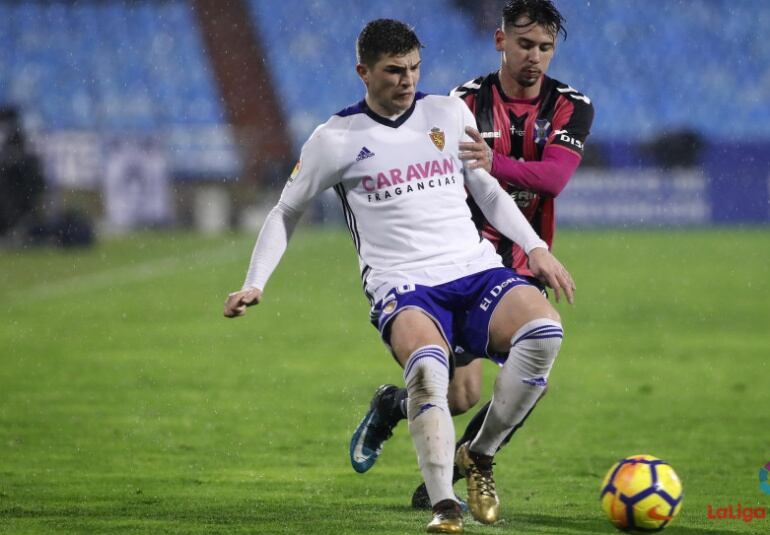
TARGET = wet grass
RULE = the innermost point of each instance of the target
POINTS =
(128, 404)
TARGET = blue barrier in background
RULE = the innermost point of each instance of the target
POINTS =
(739, 182)
(731, 185)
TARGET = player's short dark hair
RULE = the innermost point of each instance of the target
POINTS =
(541, 12)
(385, 37)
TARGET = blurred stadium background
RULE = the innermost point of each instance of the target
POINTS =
(190, 113)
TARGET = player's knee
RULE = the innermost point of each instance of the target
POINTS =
(525, 305)
(549, 344)
(535, 346)
(550, 348)
(426, 375)
(410, 331)
(553, 315)
(544, 310)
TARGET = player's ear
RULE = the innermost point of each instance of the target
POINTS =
(499, 40)
(363, 72)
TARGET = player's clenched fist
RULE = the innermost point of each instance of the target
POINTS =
(236, 302)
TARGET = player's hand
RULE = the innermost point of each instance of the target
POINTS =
(476, 153)
(236, 302)
(549, 270)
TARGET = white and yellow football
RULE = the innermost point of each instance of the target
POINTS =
(641, 493)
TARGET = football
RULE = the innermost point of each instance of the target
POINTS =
(641, 493)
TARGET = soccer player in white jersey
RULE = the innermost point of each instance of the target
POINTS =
(432, 281)
(533, 164)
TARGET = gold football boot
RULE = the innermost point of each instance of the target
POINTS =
(447, 518)
(482, 497)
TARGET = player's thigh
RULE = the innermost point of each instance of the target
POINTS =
(412, 329)
(465, 388)
(518, 306)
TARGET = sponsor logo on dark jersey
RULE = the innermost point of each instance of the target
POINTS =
(565, 137)
(522, 197)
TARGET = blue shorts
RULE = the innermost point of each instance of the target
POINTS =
(461, 309)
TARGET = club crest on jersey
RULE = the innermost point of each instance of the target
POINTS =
(542, 131)
(437, 137)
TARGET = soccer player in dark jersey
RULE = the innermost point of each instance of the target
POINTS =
(532, 132)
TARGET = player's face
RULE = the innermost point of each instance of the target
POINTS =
(527, 51)
(391, 83)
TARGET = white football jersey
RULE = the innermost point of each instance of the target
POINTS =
(402, 188)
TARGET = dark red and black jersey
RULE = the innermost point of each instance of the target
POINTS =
(522, 129)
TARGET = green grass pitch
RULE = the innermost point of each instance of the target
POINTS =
(129, 404)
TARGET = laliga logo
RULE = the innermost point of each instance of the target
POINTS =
(764, 485)
(747, 514)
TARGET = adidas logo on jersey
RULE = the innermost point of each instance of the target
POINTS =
(364, 154)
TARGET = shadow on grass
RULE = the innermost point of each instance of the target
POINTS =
(529, 523)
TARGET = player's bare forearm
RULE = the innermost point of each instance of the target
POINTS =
(546, 267)
(237, 302)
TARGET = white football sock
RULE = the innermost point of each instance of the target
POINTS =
(520, 382)
(427, 379)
